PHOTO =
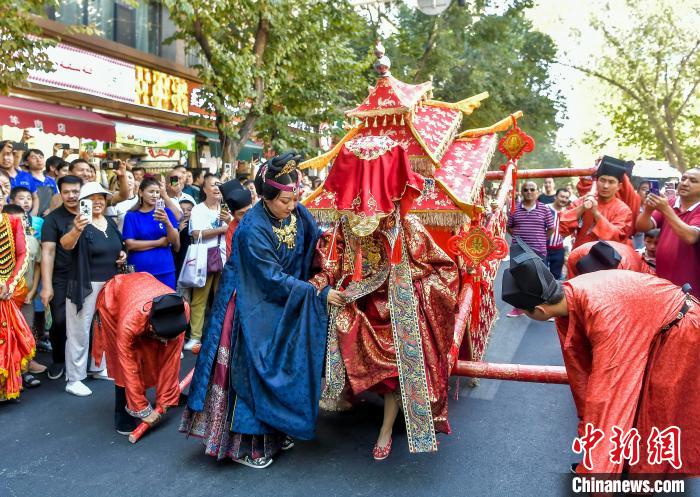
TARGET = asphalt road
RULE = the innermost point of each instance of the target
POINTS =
(508, 439)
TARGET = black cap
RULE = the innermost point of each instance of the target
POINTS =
(168, 316)
(528, 283)
(610, 166)
(236, 195)
(601, 256)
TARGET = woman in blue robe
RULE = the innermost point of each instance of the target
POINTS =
(257, 380)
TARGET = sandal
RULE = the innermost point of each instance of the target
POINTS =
(381, 453)
(30, 381)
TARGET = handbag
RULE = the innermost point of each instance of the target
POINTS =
(214, 262)
(194, 268)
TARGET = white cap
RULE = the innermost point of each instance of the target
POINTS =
(92, 188)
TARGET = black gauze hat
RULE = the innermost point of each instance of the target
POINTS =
(610, 166)
(528, 283)
(235, 195)
(167, 316)
(601, 256)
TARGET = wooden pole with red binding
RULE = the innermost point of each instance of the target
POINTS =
(143, 427)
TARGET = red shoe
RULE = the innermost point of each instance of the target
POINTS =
(381, 453)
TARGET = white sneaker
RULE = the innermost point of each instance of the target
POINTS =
(78, 388)
(100, 375)
(191, 343)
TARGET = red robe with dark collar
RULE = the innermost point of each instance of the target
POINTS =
(611, 341)
(631, 259)
(135, 359)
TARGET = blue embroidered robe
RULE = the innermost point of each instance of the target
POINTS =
(279, 330)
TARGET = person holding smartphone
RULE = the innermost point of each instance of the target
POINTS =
(174, 185)
(96, 250)
(150, 233)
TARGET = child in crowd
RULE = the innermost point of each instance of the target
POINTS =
(22, 197)
(651, 239)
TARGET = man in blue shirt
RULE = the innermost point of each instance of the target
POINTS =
(19, 177)
(44, 186)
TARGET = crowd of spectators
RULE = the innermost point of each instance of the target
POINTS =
(662, 225)
(136, 221)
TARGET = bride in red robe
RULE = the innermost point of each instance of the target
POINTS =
(17, 345)
(394, 333)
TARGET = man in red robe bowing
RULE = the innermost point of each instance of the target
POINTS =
(601, 215)
(598, 256)
(139, 326)
(630, 343)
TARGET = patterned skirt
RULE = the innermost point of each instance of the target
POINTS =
(213, 424)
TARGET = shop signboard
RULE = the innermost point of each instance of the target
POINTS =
(134, 134)
(87, 72)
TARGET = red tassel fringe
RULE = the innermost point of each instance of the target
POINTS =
(397, 252)
(332, 255)
(357, 274)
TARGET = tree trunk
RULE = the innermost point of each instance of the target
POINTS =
(232, 147)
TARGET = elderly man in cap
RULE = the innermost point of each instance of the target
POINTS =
(139, 326)
(599, 256)
(239, 200)
(601, 215)
(628, 367)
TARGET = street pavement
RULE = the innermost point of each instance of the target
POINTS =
(508, 439)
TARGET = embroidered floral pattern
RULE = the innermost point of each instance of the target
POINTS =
(370, 147)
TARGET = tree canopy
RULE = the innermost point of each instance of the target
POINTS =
(273, 66)
(468, 50)
(21, 49)
(652, 66)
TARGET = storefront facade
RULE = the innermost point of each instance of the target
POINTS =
(115, 100)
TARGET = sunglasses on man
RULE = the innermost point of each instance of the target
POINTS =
(529, 190)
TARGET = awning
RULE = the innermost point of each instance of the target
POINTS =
(249, 151)
(55, 119)
(154, 136)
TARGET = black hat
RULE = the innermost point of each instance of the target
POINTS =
(235, 195)
(601, 256)
(528, 283)
(168, 316)
(610, 166)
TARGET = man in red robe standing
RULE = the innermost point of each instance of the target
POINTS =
(630, 343)
(599, 216)
(597, 256)
(139, 326)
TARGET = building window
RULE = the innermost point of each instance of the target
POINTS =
(139, 26)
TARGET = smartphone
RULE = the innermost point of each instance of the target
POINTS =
(86, 209)
(174, 181)
(19, 146)
(64, 146)
(654, 187)
(227, 168)
(670, 192)
(160, 204)
(109, 164)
